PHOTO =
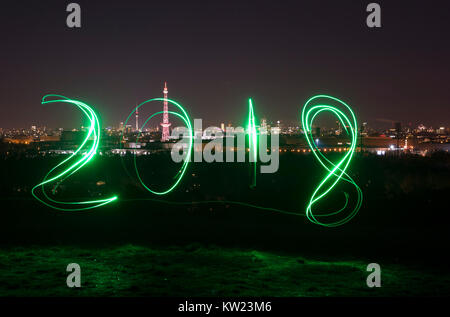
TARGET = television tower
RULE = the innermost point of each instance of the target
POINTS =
(165, 124)
(137, 120)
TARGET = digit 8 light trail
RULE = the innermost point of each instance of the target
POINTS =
(336, 172)
(73, 163)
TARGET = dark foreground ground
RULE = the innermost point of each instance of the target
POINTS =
(139, 247)
(198, 271)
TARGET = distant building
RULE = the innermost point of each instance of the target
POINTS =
(72, 136)
(317, 131)
(264, 123)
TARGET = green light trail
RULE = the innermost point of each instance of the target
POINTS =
(252, 141)
(73, 163)
(312, 108)
(336, 172)
(185, 118)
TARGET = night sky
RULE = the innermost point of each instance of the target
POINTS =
(216, 54)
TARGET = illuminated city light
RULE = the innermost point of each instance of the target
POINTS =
(72, 164)
(336, 172)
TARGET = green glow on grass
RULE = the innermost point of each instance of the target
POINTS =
(336, 171)
(183, 116)
(73, 163)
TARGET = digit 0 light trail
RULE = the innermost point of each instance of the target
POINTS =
(252, 139)
(73, 163)
(187, 121)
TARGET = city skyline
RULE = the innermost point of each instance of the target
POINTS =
(224, 124)
(166, 126)
(277, 55)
